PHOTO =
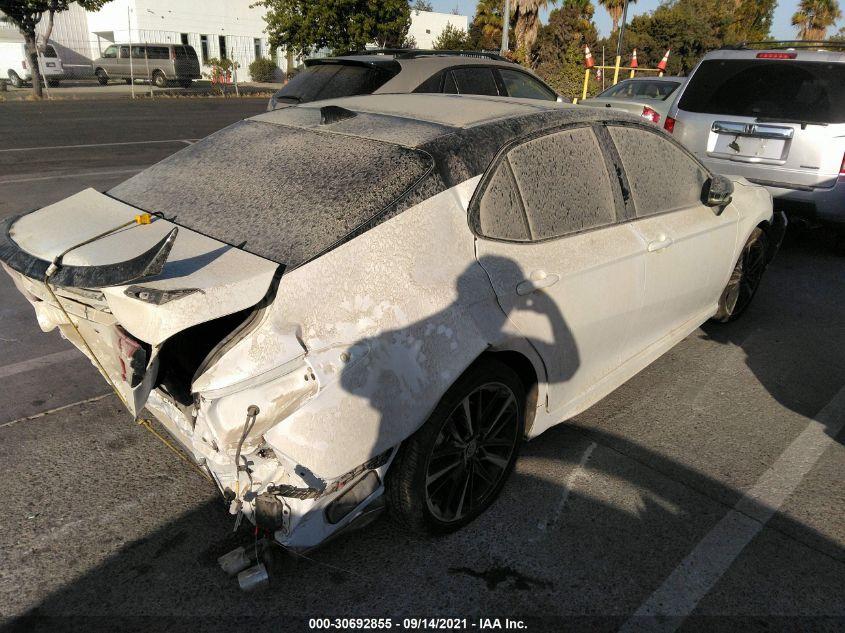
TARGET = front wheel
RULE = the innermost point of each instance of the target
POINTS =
(455, 465)
(745, 278)
(15, 79)
(102, 77)
(53, 83)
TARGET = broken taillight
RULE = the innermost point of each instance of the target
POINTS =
(132, 356)
(669, 125)
(650, 115)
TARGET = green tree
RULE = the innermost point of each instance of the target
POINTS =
(750, 20)
(27, 14)
(303, 26)
(451, 38)
(815, 17)
(485, 30)
(560, 46)
(422, 5)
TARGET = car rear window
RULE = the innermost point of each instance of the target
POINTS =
(768, 89)
(284, 193)
(184, 52)
(660, 90)
(49, 51)
(329, 81)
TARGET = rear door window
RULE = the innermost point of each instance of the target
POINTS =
(124, 52)
(475, 81)
(549, 187)
(662, 176)
(524, 86)
(185, 52)
(790, 90)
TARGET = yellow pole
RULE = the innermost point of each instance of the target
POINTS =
(586, 84)
(632, 73)
(616, 70)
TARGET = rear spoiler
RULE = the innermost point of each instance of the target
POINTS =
(147, 264)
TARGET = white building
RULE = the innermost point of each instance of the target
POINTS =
(215, 28)
(427, 25)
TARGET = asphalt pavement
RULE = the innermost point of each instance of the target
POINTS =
(704, 494)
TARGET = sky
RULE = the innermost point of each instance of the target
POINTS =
(781, 28)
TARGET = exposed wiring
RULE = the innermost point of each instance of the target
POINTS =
(147, 424)
(251, 412)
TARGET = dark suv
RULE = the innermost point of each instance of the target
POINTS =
(389, 71)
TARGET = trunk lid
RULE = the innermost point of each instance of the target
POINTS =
(126, 323)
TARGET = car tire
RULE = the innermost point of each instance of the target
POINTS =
(128, 81)
(745, 278)
(15, 79)
(102, 77)
(448, 472)
(53, 83)
(186, 83)
(159, 79)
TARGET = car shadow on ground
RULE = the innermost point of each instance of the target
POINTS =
(792, 336)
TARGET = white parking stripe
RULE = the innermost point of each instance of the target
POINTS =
(189, 141)
(554, 517)
(38, 363)
(61, 408)
(80, 175)
(699, 572)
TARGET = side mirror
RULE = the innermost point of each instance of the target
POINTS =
(718, 193)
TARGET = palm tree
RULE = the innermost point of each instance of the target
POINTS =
(527, 14)
(488, 22)
(614, 8)
(814, 17)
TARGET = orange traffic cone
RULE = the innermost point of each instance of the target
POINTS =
(634, 63)
(588, 58)
(662, 65)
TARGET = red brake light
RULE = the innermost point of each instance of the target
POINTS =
(777, 55)
(669, 125)
(650, 115)
(842, 168)
(173, 54)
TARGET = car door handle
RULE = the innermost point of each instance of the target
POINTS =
(664, 241)
(541, 280)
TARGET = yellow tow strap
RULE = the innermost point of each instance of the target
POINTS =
(144, 218)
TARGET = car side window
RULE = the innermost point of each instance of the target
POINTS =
(548, 187)
(564, 183)
(662, 176)
(110, 52)
(475, 81)
(501, 215)
(124, 52)
(449, 85)
(524, 86)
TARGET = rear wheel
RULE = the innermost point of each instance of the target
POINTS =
(53, 83)
(455, 465)
(102, 77)
(159, 79)
(15, 79)
(128, 81)
(745, 278)
(186, 83)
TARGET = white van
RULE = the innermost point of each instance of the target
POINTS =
(14, 64)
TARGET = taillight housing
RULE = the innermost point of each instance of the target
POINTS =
(173, 54)
(842, 168)
(24, 64)
(777, 55)
(669, 125)
(650, 115)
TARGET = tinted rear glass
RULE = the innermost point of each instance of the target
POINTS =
(660, 90)
(49, 51)
(779, 89)
(283, 193)
(475, 81)
(329, 81)
(185, 52)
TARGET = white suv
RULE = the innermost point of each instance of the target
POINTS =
(775, 116)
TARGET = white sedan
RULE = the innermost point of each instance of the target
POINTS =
(376, 299)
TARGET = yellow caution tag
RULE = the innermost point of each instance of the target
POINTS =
(144, 218)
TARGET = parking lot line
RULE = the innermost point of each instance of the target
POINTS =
(78, 175)
(187, 141)
(41, 414)
(38, 363)
(699, 572)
